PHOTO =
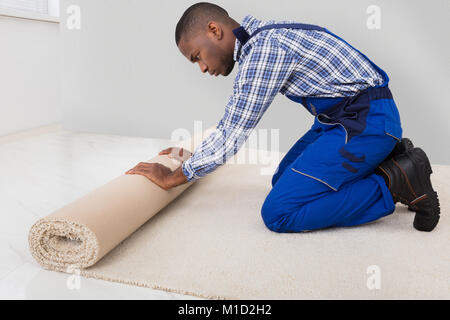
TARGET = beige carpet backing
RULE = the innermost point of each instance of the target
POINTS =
(211, 242)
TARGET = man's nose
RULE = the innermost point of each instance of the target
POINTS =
(203, 67)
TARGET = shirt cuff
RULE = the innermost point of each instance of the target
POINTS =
(186, 167)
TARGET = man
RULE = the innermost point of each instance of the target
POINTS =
(350, 168)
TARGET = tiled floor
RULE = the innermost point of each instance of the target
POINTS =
(43, 171)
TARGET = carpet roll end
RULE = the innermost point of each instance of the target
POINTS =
(62, 245)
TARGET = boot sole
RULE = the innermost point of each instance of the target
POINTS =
(423, 165)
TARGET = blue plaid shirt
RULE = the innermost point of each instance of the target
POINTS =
(290, 61)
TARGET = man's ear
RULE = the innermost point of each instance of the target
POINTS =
(215, 30)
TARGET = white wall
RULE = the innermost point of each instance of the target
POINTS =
(125, 75)
(30, 84)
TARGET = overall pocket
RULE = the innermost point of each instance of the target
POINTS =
(392, 125)
(393, 129)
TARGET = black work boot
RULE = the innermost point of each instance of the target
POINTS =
(402, 146)
(407, 176)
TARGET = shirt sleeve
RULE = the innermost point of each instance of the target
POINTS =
(260, 77)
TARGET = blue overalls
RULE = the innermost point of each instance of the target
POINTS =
(327, 178)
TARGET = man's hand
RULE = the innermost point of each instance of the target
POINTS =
(160, 174)
(156, 172)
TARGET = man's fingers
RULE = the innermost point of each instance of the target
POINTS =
(181, 155)
(171, 152)
(137, 168)
(136, 171)
(166, 151)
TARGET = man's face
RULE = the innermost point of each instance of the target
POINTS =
(211, 50)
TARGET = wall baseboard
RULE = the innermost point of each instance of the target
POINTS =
(30, 133)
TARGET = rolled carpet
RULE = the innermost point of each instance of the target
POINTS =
(82, 232)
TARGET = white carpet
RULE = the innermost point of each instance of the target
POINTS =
(211, 242)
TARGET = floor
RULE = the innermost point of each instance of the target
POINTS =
(43, 170)
(40, 172)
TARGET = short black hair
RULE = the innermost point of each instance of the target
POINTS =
(196, 16)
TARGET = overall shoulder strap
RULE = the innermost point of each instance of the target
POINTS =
(243, 35)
